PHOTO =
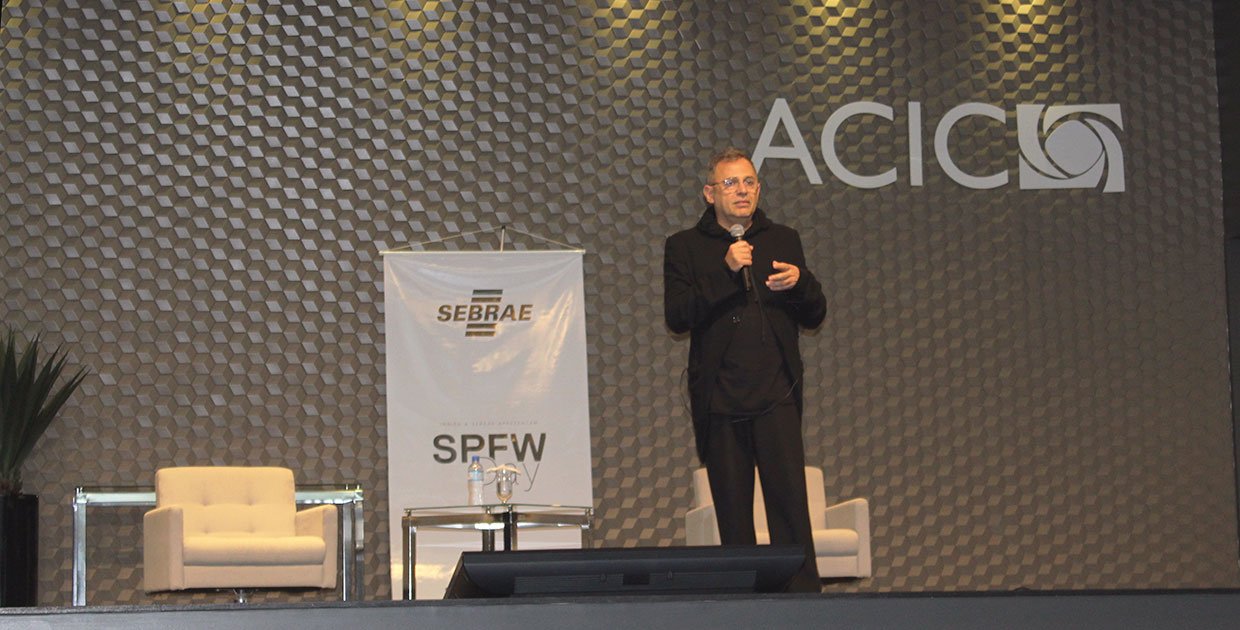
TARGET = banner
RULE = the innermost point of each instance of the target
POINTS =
(486, 355)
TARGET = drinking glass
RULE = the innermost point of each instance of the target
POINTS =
(503, 485)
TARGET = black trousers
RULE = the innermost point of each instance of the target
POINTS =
(772, 442)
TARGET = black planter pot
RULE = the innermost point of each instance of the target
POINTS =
(19, 550)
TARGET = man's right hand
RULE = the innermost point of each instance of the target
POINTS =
(740, 254)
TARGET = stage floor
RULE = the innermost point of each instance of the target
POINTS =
(1057, 609)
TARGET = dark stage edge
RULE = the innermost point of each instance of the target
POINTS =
(1050, 609)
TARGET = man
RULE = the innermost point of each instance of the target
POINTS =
(742, 300)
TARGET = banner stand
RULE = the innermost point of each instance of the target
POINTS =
(485, 356)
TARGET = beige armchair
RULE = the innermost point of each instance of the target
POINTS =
(841, 531)
(235, 527)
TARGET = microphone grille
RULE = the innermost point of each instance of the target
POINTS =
(737, 230)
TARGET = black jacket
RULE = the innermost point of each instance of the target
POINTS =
(701, 295)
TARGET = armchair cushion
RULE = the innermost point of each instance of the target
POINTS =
(256, 550)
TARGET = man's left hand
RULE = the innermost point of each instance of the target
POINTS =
(784, 278)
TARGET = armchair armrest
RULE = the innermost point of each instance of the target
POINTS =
(321, 522)
(849, 514)
(701, 527)
(163, 548)
(317, 521)
(854, 514)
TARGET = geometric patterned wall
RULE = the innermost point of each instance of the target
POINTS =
(1030, 386)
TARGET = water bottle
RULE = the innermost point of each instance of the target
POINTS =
(475, 480)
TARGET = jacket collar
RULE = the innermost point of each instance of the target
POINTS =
(709, 226)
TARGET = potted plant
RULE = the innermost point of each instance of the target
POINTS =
(29, 401)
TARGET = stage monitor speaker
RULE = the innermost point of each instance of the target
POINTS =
(629, 571)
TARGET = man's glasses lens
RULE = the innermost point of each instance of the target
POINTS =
(732, 182)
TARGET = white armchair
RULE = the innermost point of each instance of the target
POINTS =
(841, 531)
(235, 527)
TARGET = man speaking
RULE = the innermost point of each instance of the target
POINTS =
(739, 284)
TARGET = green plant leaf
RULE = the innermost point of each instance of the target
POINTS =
(29, 402)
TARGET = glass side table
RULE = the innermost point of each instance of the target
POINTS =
(507, 518)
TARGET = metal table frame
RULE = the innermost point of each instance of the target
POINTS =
(347, 498)
(506, 517)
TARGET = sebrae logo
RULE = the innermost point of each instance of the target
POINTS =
(1061, 146)
(484, 312)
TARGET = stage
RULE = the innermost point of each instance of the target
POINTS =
(1078, 609)
(1024, 217)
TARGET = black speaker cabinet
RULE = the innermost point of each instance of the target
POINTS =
(627, 571)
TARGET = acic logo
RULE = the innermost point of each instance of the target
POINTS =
(1061, 146)
(484, 312)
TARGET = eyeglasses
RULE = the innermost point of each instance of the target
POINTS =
(731, 183)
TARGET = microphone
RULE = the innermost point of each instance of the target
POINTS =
(738, 232)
